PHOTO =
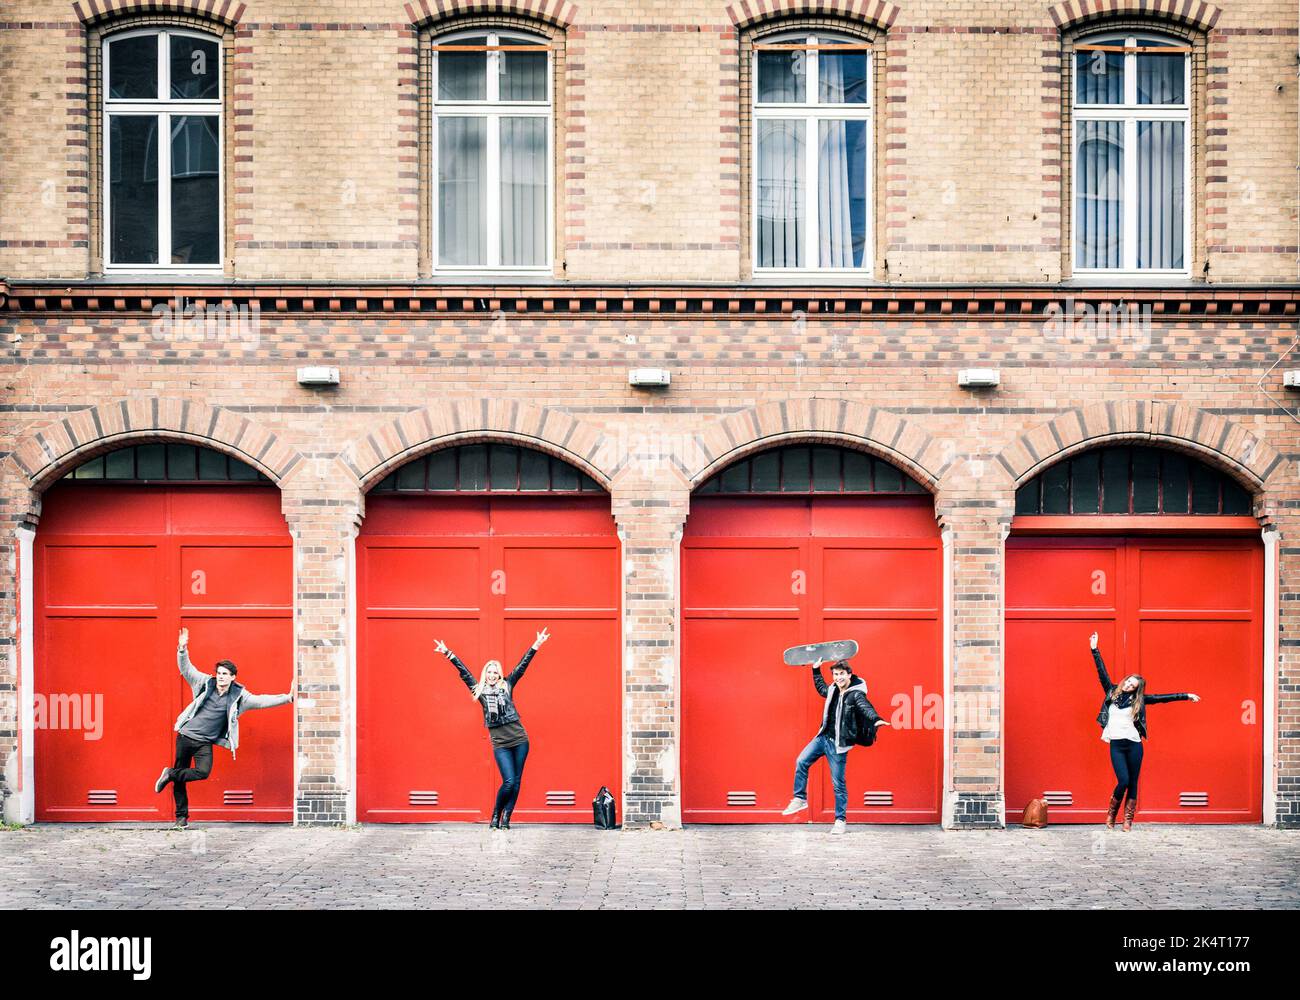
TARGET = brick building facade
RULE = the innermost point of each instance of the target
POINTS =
(327, 243)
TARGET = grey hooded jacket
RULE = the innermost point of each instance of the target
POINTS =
(240, 702)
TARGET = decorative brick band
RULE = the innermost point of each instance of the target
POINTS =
(746, 13)
(1209, 436)
(840, 421)
(557, 12)
(466, 421)
(896, 302)
(92, 12)
(1194, 13)
(48, 452)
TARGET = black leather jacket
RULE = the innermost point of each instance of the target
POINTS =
(1140, 719)
(507, 711)
(856, 718)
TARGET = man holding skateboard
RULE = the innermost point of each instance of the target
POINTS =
(211, 718)
(848, 720)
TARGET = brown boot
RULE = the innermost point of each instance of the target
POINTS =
(1130, 807)
(1112, 812)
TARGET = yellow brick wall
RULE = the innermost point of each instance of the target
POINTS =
(327, 148)
(39, 200)
(324, 171)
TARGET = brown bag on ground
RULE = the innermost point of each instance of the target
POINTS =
(1035, 813)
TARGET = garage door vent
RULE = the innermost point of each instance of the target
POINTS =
(742, 798)
(559, 798)
(1059, 798)
(102, 797)
(237, 797)
(1194, 799)
(877, 798)
(422, 798)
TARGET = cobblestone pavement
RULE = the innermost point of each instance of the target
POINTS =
(278, 867)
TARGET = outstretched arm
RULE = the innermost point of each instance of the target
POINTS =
(465, 675)
(518, 672)
(1159, 699)
(251, 701)
(1102, 676)
(192, 674)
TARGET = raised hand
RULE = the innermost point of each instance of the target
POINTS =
(1092, 641)
(440, 647)
(183, 641)
(818, 665)
(542, 636)
(293, 689)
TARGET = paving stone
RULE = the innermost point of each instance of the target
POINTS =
(245, 866)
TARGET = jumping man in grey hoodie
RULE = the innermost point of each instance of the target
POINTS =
(211, 718)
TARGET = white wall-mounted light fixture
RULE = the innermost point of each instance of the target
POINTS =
(318, 375)
(648, 378)
(977, 378)
(1291, 379)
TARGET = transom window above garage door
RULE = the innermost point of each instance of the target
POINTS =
(494, 468)
(165, 463)
(1132, 480)
(811, 469)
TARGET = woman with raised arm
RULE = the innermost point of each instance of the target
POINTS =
(495, 695)
(1123, 719)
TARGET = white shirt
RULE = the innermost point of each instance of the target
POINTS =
(1119, 725)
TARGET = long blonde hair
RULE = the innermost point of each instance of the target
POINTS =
(1139, 693)
(477, 692)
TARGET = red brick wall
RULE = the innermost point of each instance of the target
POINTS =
(887, 385)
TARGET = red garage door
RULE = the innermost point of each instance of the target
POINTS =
(1184, 611)
(119, 568)
(857, 556)
(485, 573)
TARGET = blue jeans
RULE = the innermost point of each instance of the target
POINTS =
(510, 762)
(823, 746)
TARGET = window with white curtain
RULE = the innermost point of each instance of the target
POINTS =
(492, 138)
(811, 156)
(1132, 124)
(162, 199)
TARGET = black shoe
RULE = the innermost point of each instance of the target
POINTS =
(505, 821)
(164, 780)
(182, 822)
(495, 823)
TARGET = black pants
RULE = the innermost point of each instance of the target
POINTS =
(1126, 759)
(200, 751)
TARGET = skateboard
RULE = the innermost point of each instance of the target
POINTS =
(802, 656)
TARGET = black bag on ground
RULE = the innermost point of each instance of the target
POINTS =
(603, 811)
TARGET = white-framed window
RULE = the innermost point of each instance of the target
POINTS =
(162, 199)
(811, 154)
(493, 133)
(1132, 157)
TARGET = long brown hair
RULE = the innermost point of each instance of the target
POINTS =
(1139, 693)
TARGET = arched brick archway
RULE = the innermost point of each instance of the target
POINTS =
(1077, 13)
(46, 453)
(557, 12)
(840, 421)
(747, 13)
(765, 569)
(1174, 593)
(418, 432)
(93, 12)
(1210, 437)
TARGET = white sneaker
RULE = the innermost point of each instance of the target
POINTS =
(796, 805)
(839, 827)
